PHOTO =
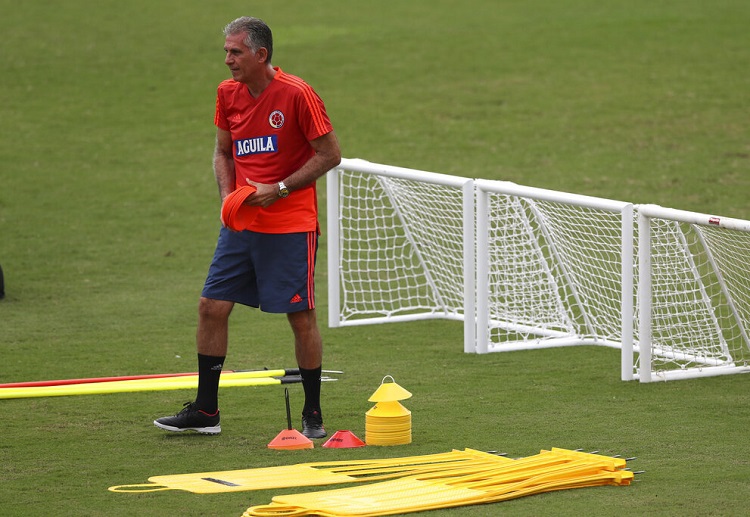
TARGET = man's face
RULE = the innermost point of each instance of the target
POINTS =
(242, 61)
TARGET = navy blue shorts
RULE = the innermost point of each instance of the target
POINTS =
(273, 272)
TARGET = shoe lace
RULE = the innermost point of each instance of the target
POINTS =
(187, 407)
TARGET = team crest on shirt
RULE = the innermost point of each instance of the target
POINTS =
(276, 119)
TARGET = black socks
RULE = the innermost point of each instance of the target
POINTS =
(209, 372)
(311, 385)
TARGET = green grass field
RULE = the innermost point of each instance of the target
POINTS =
(109, 213)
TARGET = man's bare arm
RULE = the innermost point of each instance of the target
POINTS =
(224, 163)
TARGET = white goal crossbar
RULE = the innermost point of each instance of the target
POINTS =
(528, 268)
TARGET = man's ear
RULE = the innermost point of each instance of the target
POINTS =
(262, 54)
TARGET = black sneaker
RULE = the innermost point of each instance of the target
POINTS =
(190, 419)
(312, 425)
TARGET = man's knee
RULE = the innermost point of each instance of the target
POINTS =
(210, 309)
(303, 320)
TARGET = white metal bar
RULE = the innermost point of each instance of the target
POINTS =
(515, 346)
(506, 187)
(528, 329)
(703, 360)
(627, 312)
(401, 318)
(644, 297)
(482, 261)
(694, 218)
(334, 259)
(470, 317)
(696, 373)
(363, 166)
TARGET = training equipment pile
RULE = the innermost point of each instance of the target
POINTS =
(403, 485)
(547, 471)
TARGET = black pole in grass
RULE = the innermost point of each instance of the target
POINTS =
(2, 284)
(288, 410)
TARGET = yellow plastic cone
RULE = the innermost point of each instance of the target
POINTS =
(389, 392)
(388, 422)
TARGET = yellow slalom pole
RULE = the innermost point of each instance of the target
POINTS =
(255, 374)
(87, 380)
(134, 385)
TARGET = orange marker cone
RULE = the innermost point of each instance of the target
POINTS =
(235, 214)
(290, 438)
(343, 440)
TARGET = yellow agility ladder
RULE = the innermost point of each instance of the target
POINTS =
(312, 474)
(547, 471)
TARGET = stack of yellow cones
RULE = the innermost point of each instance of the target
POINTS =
(388, 422)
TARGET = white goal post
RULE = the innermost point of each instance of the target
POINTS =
(527, 268)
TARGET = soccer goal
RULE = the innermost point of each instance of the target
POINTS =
(553, 269)
(397, 246)
(527, 268)
(693, 294)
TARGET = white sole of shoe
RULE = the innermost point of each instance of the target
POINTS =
(202, 430)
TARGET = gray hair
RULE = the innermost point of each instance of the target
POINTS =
(258, 33)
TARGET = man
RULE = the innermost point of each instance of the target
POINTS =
(272, 133)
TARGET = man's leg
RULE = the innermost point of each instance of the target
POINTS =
(308, 345)
(308, 348)
(211, 338)
(211, 343)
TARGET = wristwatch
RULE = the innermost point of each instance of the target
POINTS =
(283, 190)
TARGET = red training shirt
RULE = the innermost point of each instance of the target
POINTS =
(271, 139)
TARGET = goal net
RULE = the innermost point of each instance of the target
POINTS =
(694, 294)
(528, 268)
(553, 264)
(397, 241)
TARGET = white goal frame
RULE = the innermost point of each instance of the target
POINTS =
(545, 227)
